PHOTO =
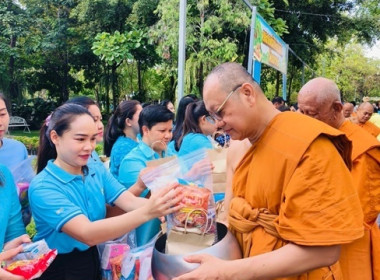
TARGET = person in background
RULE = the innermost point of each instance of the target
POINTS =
(156, 123)
(168, 104)
(94, 110)
(363, 114)
(285, 214)
(198, 126)
(348, 109)
(68, 197)
(12, 230)
(322, 95)
(278, 101)
(180, 117)
(121, 133)
(12, 152)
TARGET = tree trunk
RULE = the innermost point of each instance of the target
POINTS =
(13, 92)
(115, 89)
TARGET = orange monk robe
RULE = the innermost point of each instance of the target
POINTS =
(296, 176)
(357, 260)
(371, 128)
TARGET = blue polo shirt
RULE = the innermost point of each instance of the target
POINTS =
(11, 225)
(57, 196)
(120, 149)
(12, 152)
(129, 171)
(194, 141)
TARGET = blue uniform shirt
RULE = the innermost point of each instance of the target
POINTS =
(12, 152)
(11, 225)
(194, 141)
(57, 196)
(120, 149)
(128, 174)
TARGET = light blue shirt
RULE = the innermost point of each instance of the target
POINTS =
(192, 142)
(171, 148)
(12, 152)
(11, 225)
(129, 171)
(57, 196)
(120, 149)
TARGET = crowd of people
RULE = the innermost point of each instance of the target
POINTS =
(302, 188)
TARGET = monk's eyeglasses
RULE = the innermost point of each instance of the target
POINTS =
(217, 114)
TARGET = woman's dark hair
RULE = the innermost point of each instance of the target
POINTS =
(180, 116)
(59, 121)
(83, 101)
(165, 102)
(193, 112)
(2, 97)
(116, 123)
(153, 114)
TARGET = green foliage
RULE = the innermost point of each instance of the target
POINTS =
(356, 75)
(31, 229)
(31, 143)
(99, 149)
(34, 110)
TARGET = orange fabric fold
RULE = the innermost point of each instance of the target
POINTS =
(243, 219)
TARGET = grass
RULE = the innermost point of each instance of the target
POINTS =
(20, 132)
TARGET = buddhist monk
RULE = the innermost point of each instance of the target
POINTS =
(348, 109)
(294, 201)
(320, 98)
(363, 114)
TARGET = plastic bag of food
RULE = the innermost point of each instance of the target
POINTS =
(33, 261)
(193, 227)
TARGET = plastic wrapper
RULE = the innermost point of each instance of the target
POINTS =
(23, 174)
(111, 254)
(136, 264)
(195, 223)
(33, 261)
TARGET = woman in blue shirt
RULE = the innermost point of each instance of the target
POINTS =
(121, 133)
(12, 152)
(12, 231)
(197, 129)
(68, 197)
(156, 123)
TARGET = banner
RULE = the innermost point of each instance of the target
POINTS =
(268, 47)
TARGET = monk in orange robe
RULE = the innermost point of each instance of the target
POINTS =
(320, 98)
(348, 109)
(294, 201)
(363, 114)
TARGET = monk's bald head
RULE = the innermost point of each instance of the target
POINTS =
(229, 74)
(348, 109)
(237, 102)
(364, 112)
(320, 98)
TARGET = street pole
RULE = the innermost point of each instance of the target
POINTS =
(181, 49)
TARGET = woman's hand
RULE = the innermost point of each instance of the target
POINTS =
(199, 169)
(162, 202)
(7, 255)
(14, 243)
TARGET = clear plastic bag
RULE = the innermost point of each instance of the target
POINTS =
(197, 216)
(111, 254)
(23, 174)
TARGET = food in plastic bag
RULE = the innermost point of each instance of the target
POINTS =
(23, 174)
(33, 261)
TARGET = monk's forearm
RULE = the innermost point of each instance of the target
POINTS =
(287, 261)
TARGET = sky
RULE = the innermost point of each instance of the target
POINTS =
(374, 52)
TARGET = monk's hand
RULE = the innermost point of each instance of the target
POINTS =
(210, 268)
